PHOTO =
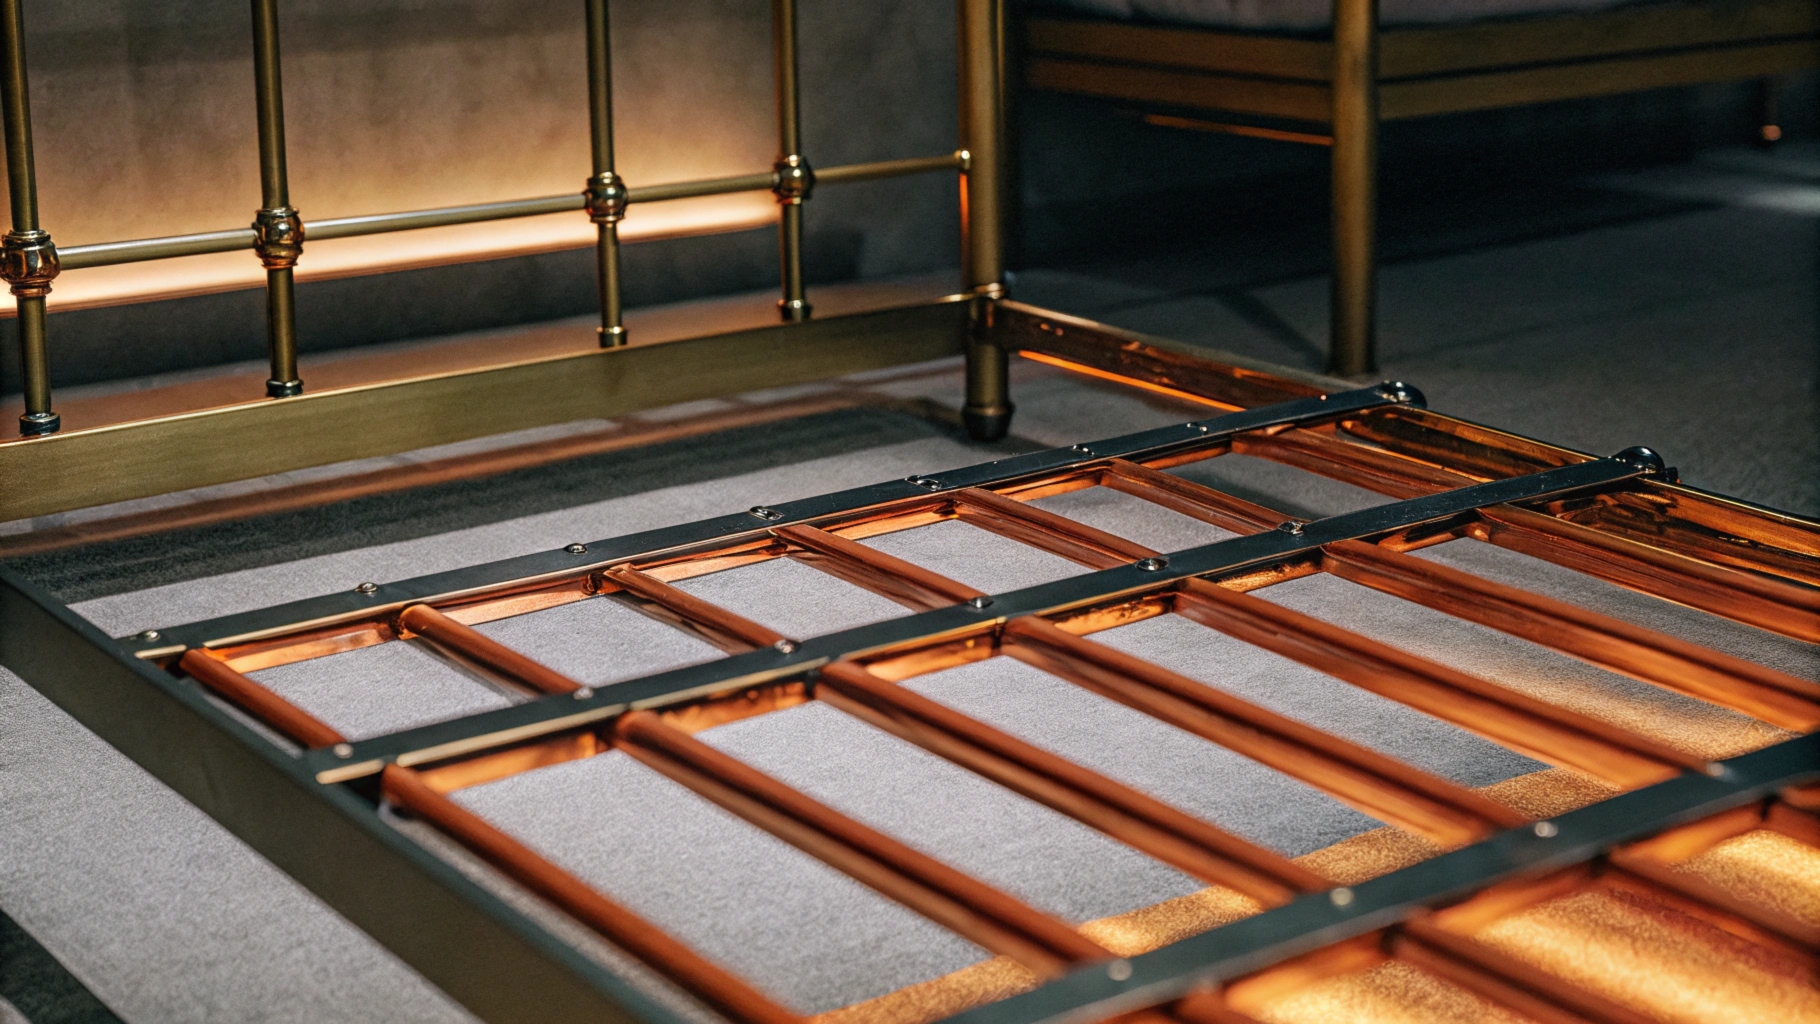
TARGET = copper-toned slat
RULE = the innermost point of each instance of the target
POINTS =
(1146, 824)
(1477, 967)
(1801, 826)
(1653, 657)
(1767, 602)
(1318, 451)
(906, 583)
(970, 908)
(720, 627)
(1256, 992)
(1649, 517)
(1697, 899)
(289, 719)
(1678, 844)
(1380, 786)
(1189, 498)
(1691, 887)
(696, 974)
(1206, 1008)
(490, 656)
(1541, 730)
(1040, 528)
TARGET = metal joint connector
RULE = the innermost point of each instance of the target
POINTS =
(278, 237)
(1645, 459)
(607, 196)
(28, 262)
(792, 179)
(1403, 394)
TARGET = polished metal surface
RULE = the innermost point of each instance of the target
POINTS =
(277, 228)
(28, 259)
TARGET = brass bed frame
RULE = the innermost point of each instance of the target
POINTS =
(177, 699)
(1335, 91)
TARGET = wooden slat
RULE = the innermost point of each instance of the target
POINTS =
(1236, 53)
(1406, 52)
(1429, 96)
(1300, 101)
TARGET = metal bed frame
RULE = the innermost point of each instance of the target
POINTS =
(178, 700)
(1336, 91)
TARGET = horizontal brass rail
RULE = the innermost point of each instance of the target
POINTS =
(107, 254)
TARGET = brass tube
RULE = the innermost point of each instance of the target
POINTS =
(1352, 348)
(28, 260)
(606, 193)
(279, 231)
(1043, 529)
(794, 178)
(107, 254)
(988, 407)
(906, 583)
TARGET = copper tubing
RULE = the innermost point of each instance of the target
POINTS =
(906, 583)
(1382, 787)
(1371, 468)
(1644, 654)
(697, 975)
(1788, 930)
(1188, 498)
(964, 905)
(1039, 528)
(288, 719)
(720, 627)
(1532, 992)
(1142, 822)
(1522, 723)
(490, 656)
(1767, 602)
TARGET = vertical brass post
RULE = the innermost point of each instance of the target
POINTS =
(794, 178)
(606, 190)
(278, 225)
(988, 408)
(1352, 349)
(28, 260)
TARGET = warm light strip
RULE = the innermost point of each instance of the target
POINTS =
(1090, 371)
(405, 250)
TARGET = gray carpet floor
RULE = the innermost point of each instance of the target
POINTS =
(1702, 343)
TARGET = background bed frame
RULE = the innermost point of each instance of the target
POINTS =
(1343, 85)
(174, 699)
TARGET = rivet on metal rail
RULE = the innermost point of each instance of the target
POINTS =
(1080, 449)
(343, 750)
(1293, 527)
(765, 512)
(785, 646)
(148, 636)
(584, 693)
(924, 481)
(577, 549)
(366, 588)
(1119, 970)
(1547, 829)
(1341, 897)
(981, 601)
(1644, 459)
(1151, 564)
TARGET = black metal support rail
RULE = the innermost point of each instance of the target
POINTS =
(30, 261)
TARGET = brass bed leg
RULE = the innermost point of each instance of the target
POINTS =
(606, 190)
(1352, 350)
(987, 412)
(794, 178)
(278, 227)
(28, 260)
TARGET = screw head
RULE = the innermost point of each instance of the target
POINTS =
(1341, 897)
(343, 750)
(982, 601)
(1403, 394)
(1151, 564)
(584, 693)
(765, 512)
(577, 549)
(924, 481)
(1547, 829)
(1119, 970)
(1080, 449)
(785, 646)
(149, 635)
(1293, 527)
(366, 588)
